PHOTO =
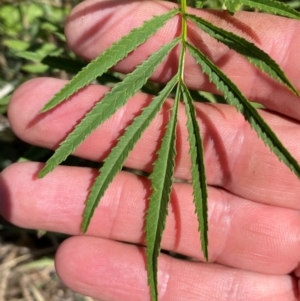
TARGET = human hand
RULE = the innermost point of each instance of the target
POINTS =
(254, 220)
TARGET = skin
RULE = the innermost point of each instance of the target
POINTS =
(254, 234)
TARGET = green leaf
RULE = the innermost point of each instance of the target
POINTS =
(40, 51)
(35, 68)
(161, 180)
(234, 97)
(5, 100)
(16, 45)
(232, 5)
(71, 65)
(111, 102)
(110, 57)
(197, 170)
(115, 160)
(273, 7)
(196, 3)
(255, 55)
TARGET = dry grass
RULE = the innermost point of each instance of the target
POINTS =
(27, 270)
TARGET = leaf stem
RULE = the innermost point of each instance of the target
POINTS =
(183, 8)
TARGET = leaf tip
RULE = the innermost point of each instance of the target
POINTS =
(205, 253)
(83, 228)
(45, 170)
(293, 89)
(45, 108)
(84, 225)
(42, 173)
(86, 218)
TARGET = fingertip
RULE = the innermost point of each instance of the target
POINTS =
(11, 207)
(17, 101)
(28, 100)
(64, 260)
(99, 268)
(5, 206)
(91, 20)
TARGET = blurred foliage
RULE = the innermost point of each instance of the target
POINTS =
(31, 30)
(32, 43)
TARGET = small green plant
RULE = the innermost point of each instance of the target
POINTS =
(163, 168)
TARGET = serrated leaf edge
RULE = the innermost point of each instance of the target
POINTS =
(242, 46)
(235, 97)
(105, 108)
(200, 195)
(104, 61)
(115, 160)
(161, 184)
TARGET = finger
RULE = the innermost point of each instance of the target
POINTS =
(94, 25)
(110, 270)
(242, 234)
(234, 157)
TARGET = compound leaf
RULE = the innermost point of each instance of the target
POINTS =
(110, 57)
(115, 160)
(234, 97)
(255, 55)
(112, 101)
(161, 180)
(163, 168)
(197, 169)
